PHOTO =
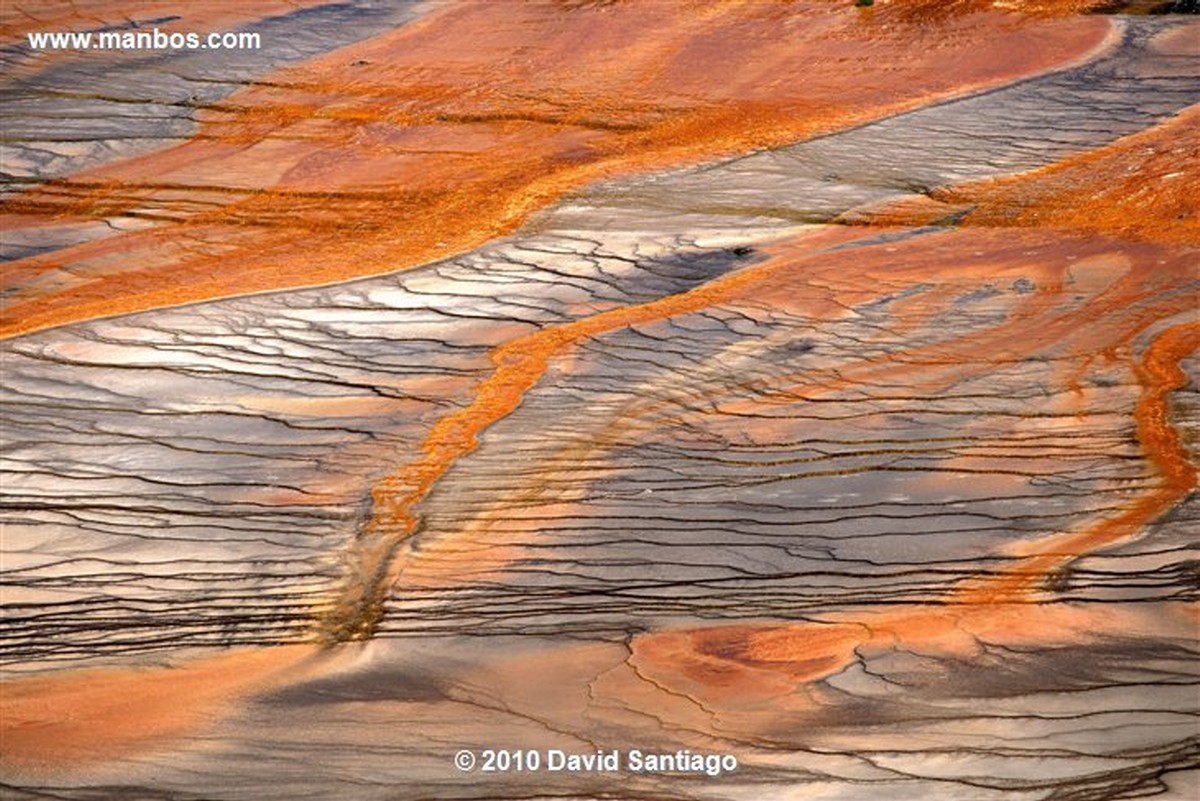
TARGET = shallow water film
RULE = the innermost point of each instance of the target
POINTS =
(599, 399)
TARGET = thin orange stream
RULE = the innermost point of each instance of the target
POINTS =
(1160, 374)
(519, 363)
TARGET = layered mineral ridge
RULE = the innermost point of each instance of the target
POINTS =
(582, 399)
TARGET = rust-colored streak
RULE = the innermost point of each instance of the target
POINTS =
(96, 715)
(1145, 186)
(518, 363)
(1160, 374)
(453, 129)
(934, 10)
